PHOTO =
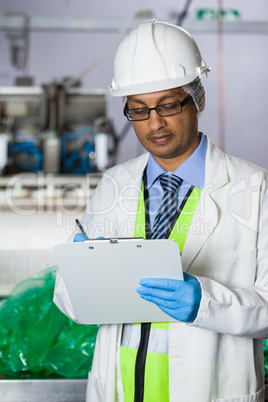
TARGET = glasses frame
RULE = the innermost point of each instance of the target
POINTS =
(156, 108)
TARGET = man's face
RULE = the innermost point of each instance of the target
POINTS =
(172, 139)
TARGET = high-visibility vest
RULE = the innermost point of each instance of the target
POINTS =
(156, 380)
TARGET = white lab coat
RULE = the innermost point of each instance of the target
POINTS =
(219, 357)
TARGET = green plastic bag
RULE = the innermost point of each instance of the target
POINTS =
(35, 336)
(265, 352)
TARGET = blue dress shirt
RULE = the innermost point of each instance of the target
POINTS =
(191, 171)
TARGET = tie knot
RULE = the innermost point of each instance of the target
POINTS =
(170, 182)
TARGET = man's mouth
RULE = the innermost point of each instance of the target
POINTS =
(162, 139)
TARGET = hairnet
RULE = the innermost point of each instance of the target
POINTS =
(197, 91)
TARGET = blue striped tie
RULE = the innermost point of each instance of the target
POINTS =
(168, 207)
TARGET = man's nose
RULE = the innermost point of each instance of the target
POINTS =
(155, 121)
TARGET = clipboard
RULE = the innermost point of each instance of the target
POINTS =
(102, 275)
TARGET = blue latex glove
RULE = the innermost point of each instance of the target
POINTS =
(179, 299)
(79, 237)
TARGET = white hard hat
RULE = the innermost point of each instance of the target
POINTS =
(153, 57)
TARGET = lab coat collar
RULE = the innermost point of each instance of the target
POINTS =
(216, 168)
(216, 171)
(136, 167)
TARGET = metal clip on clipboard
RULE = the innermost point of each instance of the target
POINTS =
(115, 240)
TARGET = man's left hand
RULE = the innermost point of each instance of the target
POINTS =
(179, 299)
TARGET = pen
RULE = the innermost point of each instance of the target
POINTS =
(80, 227)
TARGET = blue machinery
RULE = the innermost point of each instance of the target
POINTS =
(55, 129)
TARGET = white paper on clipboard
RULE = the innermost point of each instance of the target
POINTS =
(101, 277)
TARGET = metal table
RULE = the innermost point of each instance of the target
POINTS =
(56, 390)
(43, 390)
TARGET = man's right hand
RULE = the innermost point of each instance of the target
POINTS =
(80, 237)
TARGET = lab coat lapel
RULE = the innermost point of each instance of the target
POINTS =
(206, 215)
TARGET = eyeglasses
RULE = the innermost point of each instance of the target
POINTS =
(165, 110)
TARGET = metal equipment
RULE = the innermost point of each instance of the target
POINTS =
(53, 129)
(53, 150)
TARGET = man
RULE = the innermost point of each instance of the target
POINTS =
(214, 206)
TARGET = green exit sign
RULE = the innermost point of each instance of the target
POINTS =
(227, 14)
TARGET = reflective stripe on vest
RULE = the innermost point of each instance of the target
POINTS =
(156, 383)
